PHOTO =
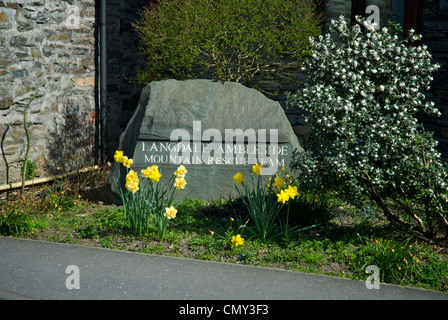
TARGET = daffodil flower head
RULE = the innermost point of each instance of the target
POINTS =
(278, 182)
(292, 191)
(170, 212)
(256, 168)
(238, 177)
(131, 176)
(118, 157)
(146, 172)
(132, 186)
(152, 173)
(181, 171)
(155, 176)
(237, 240)
(283, 196)
(127, 162)
(180, 183)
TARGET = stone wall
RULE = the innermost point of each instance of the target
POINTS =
(47, 45)
(435, 36)
(53, 46)
(122, 59)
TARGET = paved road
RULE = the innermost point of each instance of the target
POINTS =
(37, 270)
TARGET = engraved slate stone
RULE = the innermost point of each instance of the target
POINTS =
(214, 129)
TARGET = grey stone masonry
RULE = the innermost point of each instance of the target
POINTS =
(435, 36)
(47, 46)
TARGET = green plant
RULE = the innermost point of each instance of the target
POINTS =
(401, 263)
(230, 40)
(59, 200)
(15, 222)
(305, 209)
(135, 209)
(309, 209)
(88, 232)
(234, 235)
(361, 99)
(261, 203)
(110, 219)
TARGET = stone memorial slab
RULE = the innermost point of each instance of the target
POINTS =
(214, 129)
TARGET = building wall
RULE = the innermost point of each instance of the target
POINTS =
(435, 36)
(123, 58)
(44, 48)
(53, 46)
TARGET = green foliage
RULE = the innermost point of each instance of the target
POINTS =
(273, 206)
(310, 209)
(401, 263)
(15, 222)
(361, 98)
(149, 199)
(136, 211)
(110, 219)
(233, 40)
(263, 207)
(60, 201)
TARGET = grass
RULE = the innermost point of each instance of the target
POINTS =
(79, 213)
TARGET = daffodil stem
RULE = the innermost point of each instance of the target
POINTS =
(287, 224)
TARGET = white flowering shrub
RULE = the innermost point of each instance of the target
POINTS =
(361, 97)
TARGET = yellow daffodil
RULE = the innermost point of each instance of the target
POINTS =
(127, 162)
(292, 191)
(180, 172)
(283, 196)
(237, 240)
(180, 183)
(146, 172)
(155, 175)
(118, 157)
(238, 177)
(257, 169)
(152, 173)
(131, 177)
(132, 186)
(279, 182)
(170, 212)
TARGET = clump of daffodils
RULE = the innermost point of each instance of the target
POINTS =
(149, 197)
(264, 201)
(361, 98)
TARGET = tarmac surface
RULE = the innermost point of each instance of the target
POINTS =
(52, 271)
